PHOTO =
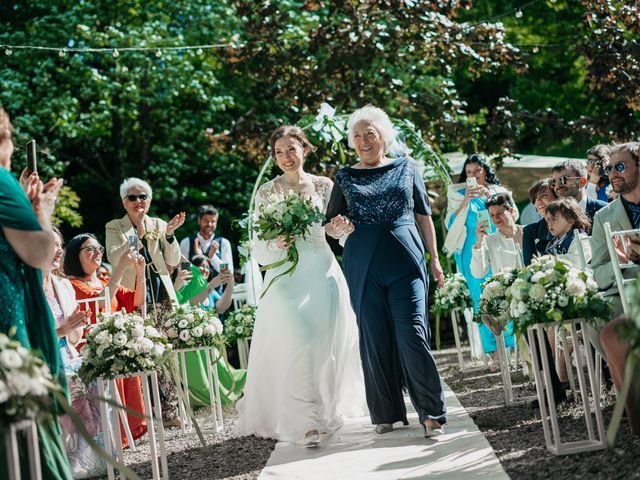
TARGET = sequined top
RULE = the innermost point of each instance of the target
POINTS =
(386, 195)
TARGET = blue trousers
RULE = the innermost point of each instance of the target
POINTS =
(394, 347)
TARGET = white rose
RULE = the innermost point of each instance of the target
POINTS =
(137, 331)
(216, 324)
(522, 308)
(147, 344)
(103, 337)
(239, 330)
(19, 383)
(563, 300)
(208, 330)
(158, 350)
(183, 323)
(119, 323)
(184, 335)
(151, 332)
(120, 339)
(536, 277)
(197, 331)
(576, 287)
(537, 292)
(10, 359)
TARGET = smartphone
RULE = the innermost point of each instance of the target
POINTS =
(185, 266)
(483, 216)
(472, 182)
(32, 165)
(224, 267)
(133, 243)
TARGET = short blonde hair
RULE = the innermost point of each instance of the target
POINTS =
(380, 121)
(134, 182)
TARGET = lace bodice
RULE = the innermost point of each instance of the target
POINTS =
(379, 196)
(267, 251)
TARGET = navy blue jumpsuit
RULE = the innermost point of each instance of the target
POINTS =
(385, 267)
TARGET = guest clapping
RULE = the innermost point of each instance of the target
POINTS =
(152, 237)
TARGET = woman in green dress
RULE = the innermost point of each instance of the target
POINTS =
(200, 292)
(27, 244)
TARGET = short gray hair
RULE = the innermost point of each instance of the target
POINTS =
(133, 182)
(381, 122)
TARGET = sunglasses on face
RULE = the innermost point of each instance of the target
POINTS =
(133, 198)
(619, 167)
(93, 249)
(564, 180)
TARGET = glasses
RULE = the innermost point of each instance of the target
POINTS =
(619, 167)
(92, 249)
(133, 198)
(562, 180)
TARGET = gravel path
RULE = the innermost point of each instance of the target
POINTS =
(514, 432)
(516, 435)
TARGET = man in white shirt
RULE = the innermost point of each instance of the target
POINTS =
(216, 248)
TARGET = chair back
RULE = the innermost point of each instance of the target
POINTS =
(95, 304)
(619, 268)
(584, 248)
(239, 296)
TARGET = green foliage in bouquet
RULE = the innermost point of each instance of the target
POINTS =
(188, 326)
(25, 383)
(120, 344)
(239, 324)
(290, 215)
(551, 290)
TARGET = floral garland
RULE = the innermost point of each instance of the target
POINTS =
(239, 324)
(25, 383)
(551, 290)
(188, 326)
(122, 343)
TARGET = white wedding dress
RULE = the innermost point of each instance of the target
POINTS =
(304, 368)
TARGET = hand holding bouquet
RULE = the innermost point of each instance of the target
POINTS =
(287, 217)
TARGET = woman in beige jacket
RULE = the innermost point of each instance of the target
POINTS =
(152, 237)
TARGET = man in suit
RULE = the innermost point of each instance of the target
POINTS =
(569, 179)
(622, 214)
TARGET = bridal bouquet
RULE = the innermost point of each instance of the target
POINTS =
(190, 327)
(290, 215)
(122, 343)
(552, 290)
(25, 381)
(493, 310)
(239, 324)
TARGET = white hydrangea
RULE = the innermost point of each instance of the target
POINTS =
(537, 292)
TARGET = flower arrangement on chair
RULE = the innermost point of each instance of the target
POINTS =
(239, 324)
(122, 343)
(454, 295)
(25, 383)
(189, 326)
(493, 310)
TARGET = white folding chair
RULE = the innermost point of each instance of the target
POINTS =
(584, 249)
(240, 299)
(103, 304)
(618, 268)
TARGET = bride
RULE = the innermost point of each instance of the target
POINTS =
(304, 373)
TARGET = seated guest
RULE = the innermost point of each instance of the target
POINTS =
(569, 180)
(597, 160)
(529, 214)
(152, 237)
(217, 249)
(623, 213)
(535, 236)
(70, 322)
(213, 300)
(502, 248)
(563, 217)
(82, 259)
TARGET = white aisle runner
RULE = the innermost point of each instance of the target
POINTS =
(356, 452)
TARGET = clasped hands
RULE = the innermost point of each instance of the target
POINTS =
(340, 226)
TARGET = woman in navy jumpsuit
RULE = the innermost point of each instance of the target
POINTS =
(378, 202)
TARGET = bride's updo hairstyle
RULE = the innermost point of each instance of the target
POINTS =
(380, 121)
(291, 131)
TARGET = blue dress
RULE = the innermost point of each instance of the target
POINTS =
(385, 268)
(463, 260)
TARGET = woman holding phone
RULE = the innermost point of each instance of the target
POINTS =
(466, 207)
